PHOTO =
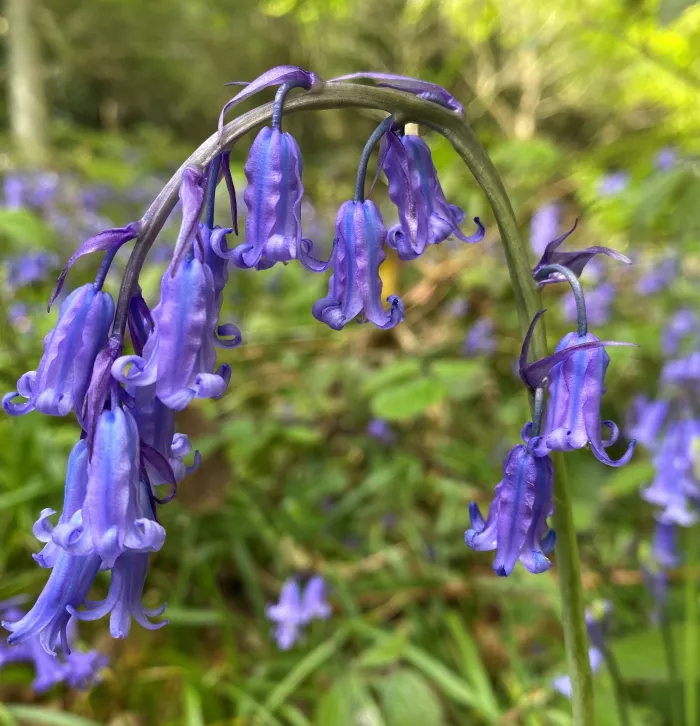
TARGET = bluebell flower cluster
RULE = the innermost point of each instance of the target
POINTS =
(296, 608)
(572, 381)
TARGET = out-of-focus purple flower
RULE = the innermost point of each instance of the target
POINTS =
(675, 489)
(273, 198)
(681, 324)
(575, 261)
(123, 601)
(576, 386)
(458, 308)
(480, 339)
(516, 526)
(14, 190)
(646, 420)
(666, 159)
(544, 226)
(179, 357)
(655, 580)
(597, 625)
(665, 545)
(43, 190)
(425, 217)
(659, 277)
(29, 268)
(683, 371)
(612, 184)
(18, 317)
(70, 349)
(294, 610)
(598, 302)
(116, 513)
(380, 430)
(355, 286)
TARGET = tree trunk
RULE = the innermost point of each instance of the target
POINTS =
(28, 114)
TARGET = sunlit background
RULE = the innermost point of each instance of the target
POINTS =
(354, 455)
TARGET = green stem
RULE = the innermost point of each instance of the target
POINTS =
(454, 128)
(691, 630)
(618, 687)
(671, 665)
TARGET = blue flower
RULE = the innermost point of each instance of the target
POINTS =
(659, 277)
(516, 526)
(598, 302)
(380, 430)
(681, 324)
(609, 185)
(647, 420)
(665, 545)
(480, 339)
(544, 226)
(70, 349)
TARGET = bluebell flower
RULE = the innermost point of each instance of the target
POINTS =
(115, 516)
(665, 545)
(458, 308)
(544, 227)
(666, 159)
(516, 526)
(647, 420)
(295, 610)
(480, 339)
(675, 490)
(18, 317)
(659, 277)
(425, 217)
(562, 683)
(598, 303)
(656, 582)
(683, 372)
(355, 286)
(70, 349)
(14, 191)
(76, 669)
(609, 185)
(576, 386)
(681, 324)
(28, 268)
(380, 430)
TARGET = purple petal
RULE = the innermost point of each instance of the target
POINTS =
(192, 189)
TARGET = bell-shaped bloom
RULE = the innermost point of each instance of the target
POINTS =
(544, 226)
(191, 194)
(123, 601)
(659, 277)
(355, 286)
(70, 349)
(683, 372)
(675, 489)
(681, 325)
(77, 670)
(179, 356)
(114, 517)
(74, 495)
(480, 339)
(273, 198)
(314, 605)
(380, 430)
(68, 584)
(516, 526)
(575, 261)
(665, 545)
(646, 420)
(576, 386)
(609, 185)
(425, 217)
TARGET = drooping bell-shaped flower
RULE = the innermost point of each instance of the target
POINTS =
(665, 545)
(480, 339)
(74, 495)
(287, 615)
(113, 518)
(516, 526)
(675, 489)
(576, 386)
(355, 286)
(683, 372)
(425, 217)
(647, 419)
(179, 356)
(70, 349)
(123, 601)
(681, 325)
(68, 584)
(273, 198)
(314, 605)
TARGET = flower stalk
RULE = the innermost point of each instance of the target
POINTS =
(450, 122)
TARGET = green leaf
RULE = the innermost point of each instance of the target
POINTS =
(37, 716)
(24, 228)
(399, 370)
(192, 706)
(408, 700)
(408, 400)
(385, 652)
(464, 379)
(348, 703)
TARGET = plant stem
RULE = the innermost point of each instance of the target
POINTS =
(670, 655)
(691, 630)
(454, 128)
(618, 687)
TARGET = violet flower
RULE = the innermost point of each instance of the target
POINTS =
(683, 372)
(480, 339)
(576, 386)
(544, 226)
(659, 277)
(516, 526)
(665, 544)
(609, 185)
(380, 430)
(647, 420)
(675, 490)
(598, 302)
(26, 269)
(562, 684)
(355, 286)
(425, 217)
(666, 159)
(273, 198)
(70, 349)
(681, 324)
(313, 603)
(116, 515)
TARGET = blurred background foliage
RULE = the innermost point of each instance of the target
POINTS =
(565, 95)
